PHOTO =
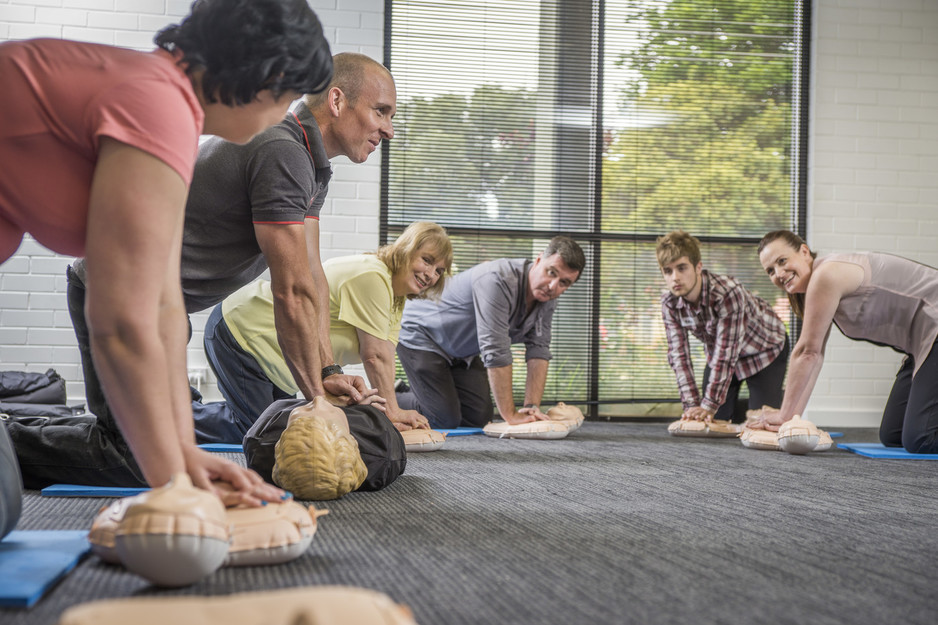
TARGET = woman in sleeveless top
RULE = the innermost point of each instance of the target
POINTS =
(880, 298)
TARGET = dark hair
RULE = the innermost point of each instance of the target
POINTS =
(569, 250)
(794, 242)
(247, 46)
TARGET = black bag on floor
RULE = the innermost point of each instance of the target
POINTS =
(40, 410)
(21, 387)
(379, 443)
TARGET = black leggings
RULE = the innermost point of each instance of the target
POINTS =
(910, 419)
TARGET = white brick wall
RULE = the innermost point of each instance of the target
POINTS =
(873, 157)
(35, 330)
(873, 164)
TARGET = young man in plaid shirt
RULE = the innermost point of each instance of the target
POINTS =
(743, 338)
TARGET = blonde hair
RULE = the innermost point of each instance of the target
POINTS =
(317, 460)
(674, 245)
(794, 242)
(398, 255)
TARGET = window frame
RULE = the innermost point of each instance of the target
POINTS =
(595, 238)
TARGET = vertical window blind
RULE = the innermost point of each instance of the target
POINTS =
(610, 121)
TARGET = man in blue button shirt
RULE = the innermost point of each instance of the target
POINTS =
(456, 351)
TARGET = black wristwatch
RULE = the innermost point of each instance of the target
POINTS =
(331, 370)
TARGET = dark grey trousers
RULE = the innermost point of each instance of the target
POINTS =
(448, 395)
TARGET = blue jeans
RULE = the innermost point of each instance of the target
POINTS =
(246, 388)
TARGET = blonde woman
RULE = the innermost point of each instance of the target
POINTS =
(366, 300)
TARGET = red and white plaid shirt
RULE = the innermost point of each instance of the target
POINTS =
(740, 332)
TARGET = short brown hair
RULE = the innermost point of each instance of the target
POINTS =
(569, 251)
(676, 244)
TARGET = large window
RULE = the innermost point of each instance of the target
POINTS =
(611, 121)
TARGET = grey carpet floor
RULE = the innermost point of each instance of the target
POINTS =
(618, 523)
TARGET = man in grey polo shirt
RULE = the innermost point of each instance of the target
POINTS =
(250, 207)
(456, 351)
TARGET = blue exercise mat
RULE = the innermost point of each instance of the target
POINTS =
(836, 434)
(33, 561)
(80, 490)
(222, 447)
(878, 450)
(460, 431)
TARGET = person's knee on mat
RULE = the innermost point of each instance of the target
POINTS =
(477, 418)
(443, 422)
(918, 441)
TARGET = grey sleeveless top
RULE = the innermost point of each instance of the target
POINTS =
(895, 305)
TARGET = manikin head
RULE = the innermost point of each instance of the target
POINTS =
(555, 269)
(354, 112)
(248, 60)
(679, 259)
(316, 457)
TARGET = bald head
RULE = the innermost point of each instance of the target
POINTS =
(350, 72)
(354, 113)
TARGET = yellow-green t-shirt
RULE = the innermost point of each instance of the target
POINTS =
(360, 296)
(249, 315)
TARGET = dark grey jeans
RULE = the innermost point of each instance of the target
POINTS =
(84, 449)
(448, 395)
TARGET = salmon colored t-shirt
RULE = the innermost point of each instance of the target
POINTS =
(58, 98)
